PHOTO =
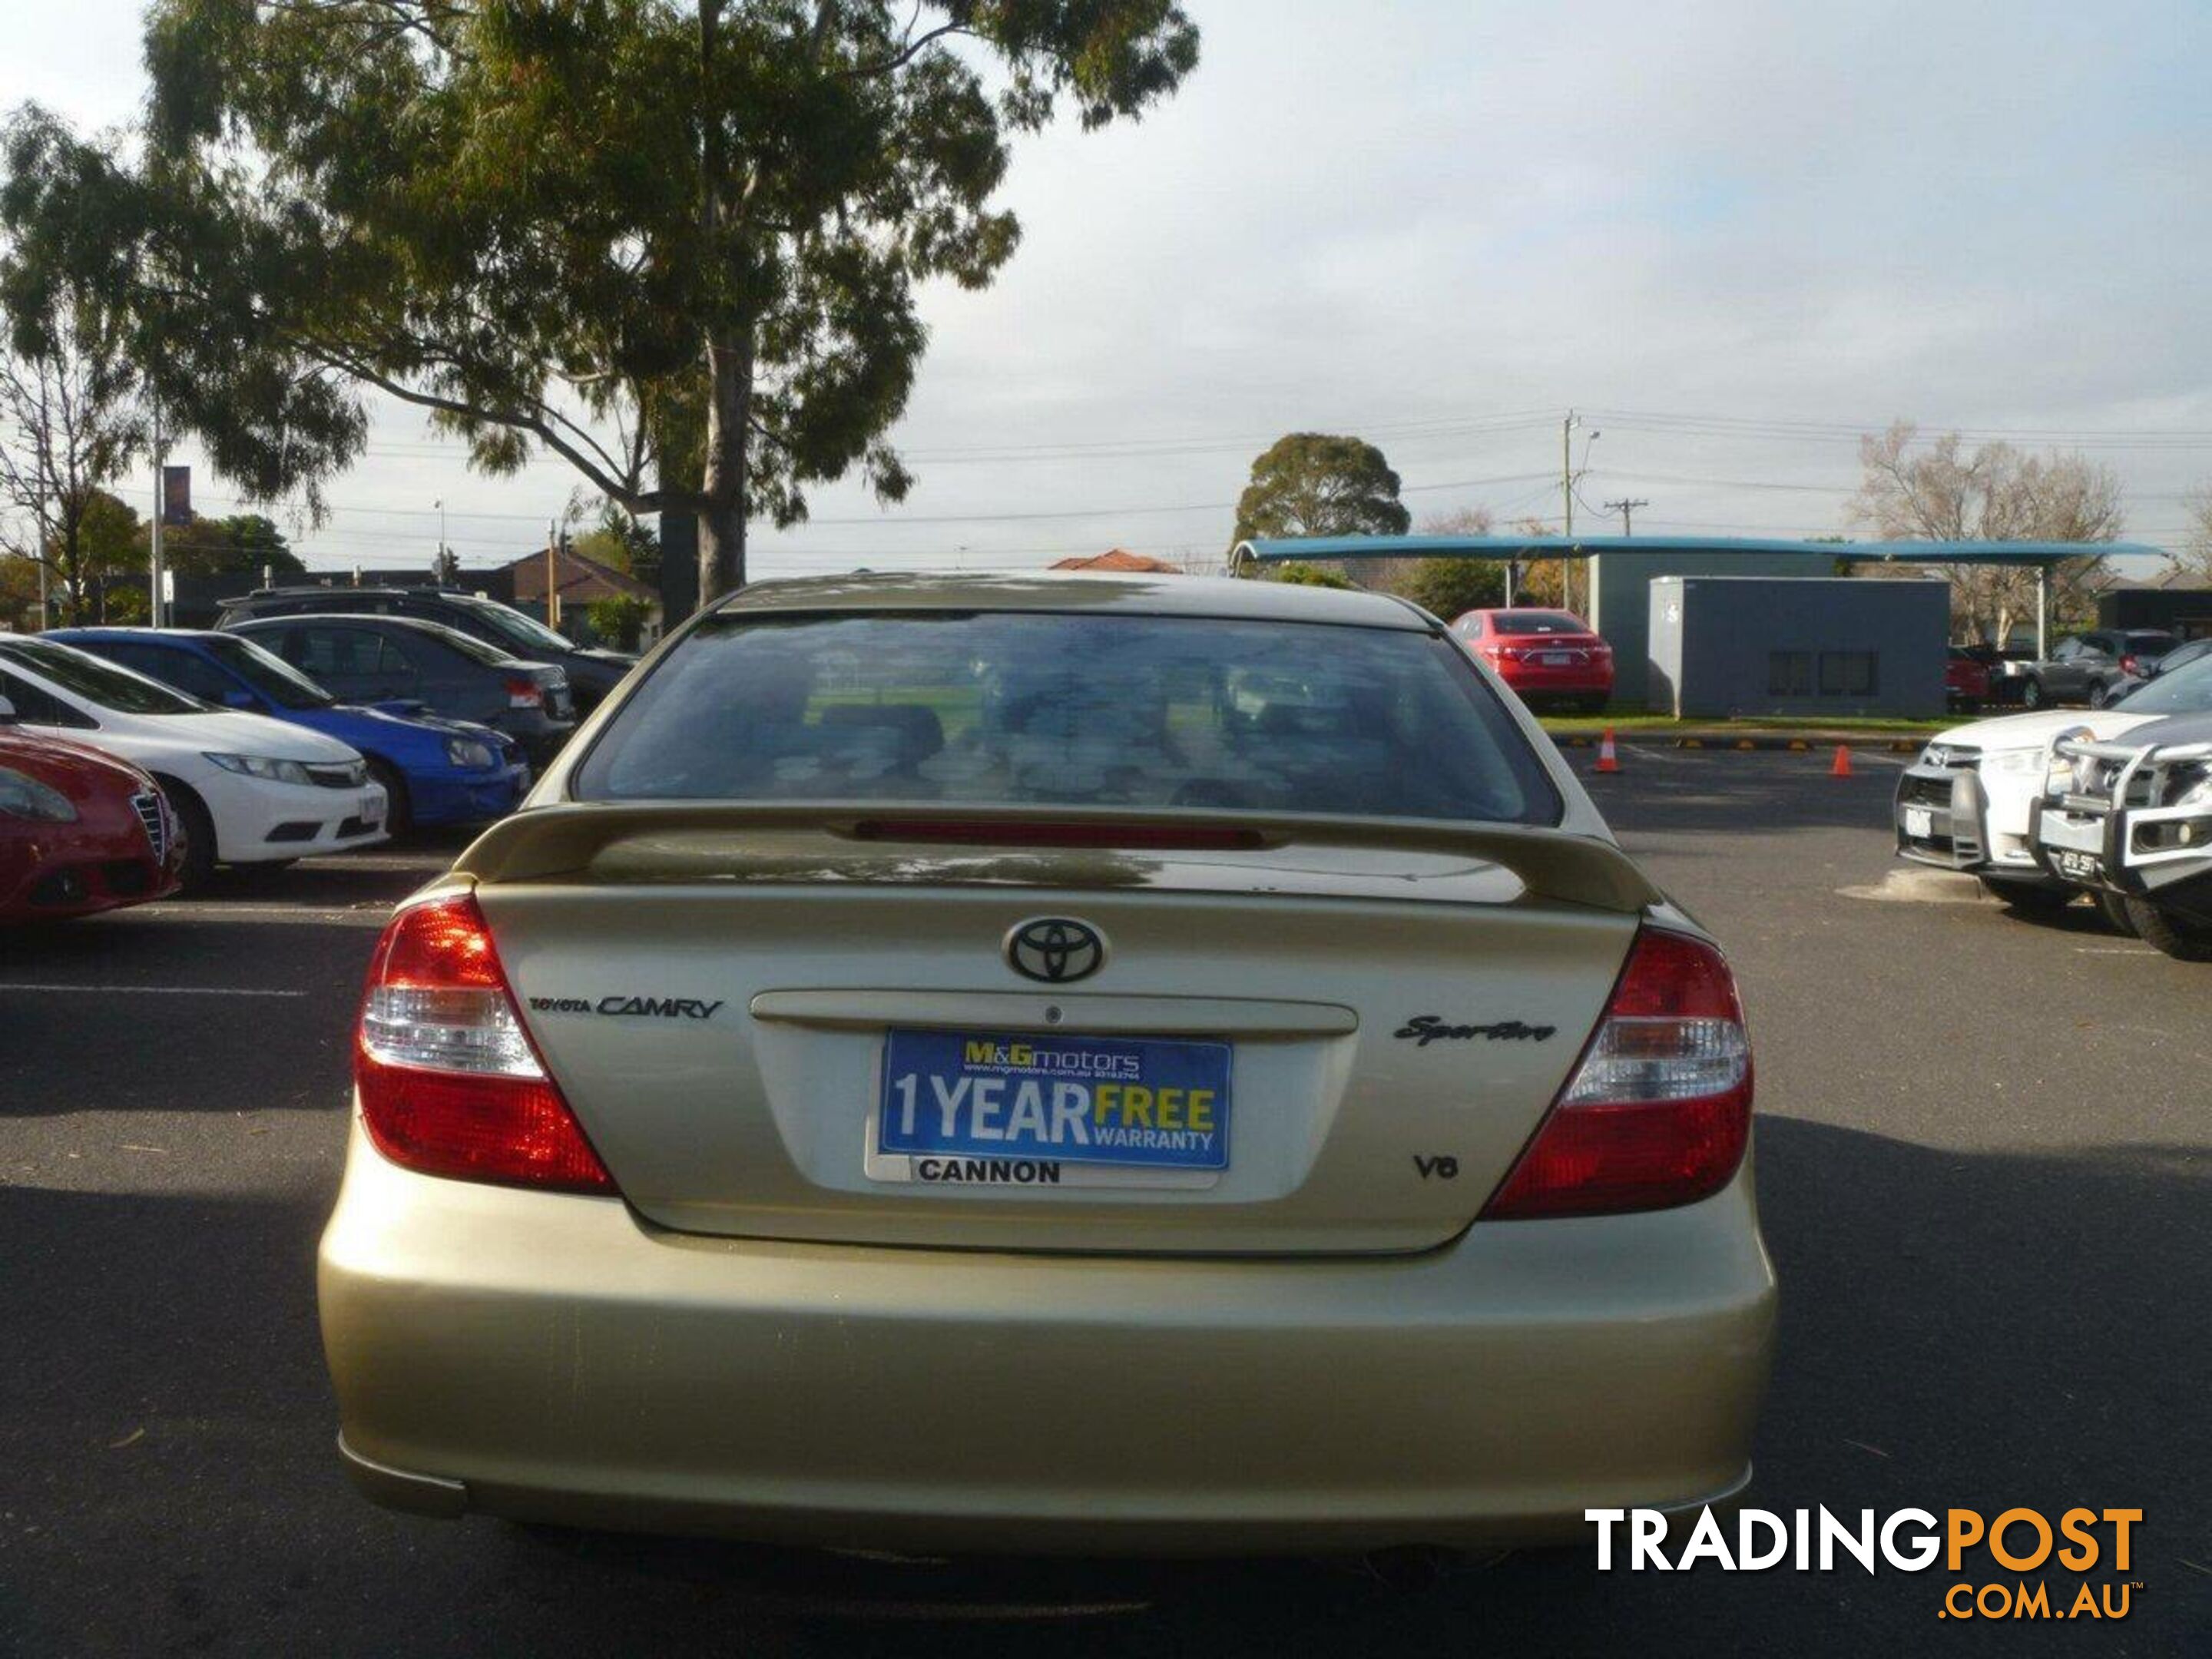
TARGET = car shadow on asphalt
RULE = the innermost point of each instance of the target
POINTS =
(1959, 1328)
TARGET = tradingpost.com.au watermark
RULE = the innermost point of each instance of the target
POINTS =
(2015, 1540)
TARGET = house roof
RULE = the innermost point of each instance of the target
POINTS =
(580, 580)
(1120, 558)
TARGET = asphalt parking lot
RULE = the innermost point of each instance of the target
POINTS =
(1984, 1160)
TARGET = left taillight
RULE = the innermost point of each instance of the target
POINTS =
(1658, 1112)
(449, 1081)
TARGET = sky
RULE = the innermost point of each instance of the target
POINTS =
(1733, 235)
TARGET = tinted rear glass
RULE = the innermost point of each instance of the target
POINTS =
(271, 676)
(1536, 622)
(2150, 644)
(2185, 690)
(1034, 708)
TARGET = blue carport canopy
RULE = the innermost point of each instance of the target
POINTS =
(2039, 555)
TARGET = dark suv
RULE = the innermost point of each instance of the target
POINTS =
(2093, 667)
(406, 660)
(592, 673)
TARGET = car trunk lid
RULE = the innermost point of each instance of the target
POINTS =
(730, 997)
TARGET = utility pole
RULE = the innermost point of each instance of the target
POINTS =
(1626, 508)
(161, 511)
(552, 585)
(1567, 467)
(1567, 476)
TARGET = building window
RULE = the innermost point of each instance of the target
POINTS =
(1789, 673)
(1847, 673)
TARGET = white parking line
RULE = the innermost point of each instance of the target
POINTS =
(212, 910)
(155, 990)
(382, 861)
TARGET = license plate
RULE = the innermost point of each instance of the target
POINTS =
(2079, 867)
(1014, 1109)
(1557, 659)
(1919, 823)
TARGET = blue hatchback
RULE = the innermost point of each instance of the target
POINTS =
(435, 771)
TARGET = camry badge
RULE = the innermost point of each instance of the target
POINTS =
(1055, 949)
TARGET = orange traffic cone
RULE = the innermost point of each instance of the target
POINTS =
(1607, 761)
(1842, 768)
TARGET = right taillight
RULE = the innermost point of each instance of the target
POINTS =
(1658, 1112)
(449, 1081)
(525, 694)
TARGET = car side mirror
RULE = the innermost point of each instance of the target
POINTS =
(7, 712)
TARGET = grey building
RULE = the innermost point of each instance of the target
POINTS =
(1723, 646)
(1621, 579)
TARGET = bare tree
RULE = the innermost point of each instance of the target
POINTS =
(1937, 492)
(71, 421)
(1391, 576)
(2197, 550)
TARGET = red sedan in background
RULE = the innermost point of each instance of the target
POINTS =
(1966, 679)
(80, 831)
(1546, 656)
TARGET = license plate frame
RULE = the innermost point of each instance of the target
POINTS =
(1005, 1081)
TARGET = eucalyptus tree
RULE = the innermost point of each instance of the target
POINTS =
(675, 243)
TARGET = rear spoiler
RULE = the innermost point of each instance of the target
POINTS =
(547, 843)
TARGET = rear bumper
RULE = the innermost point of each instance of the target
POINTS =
(552, 1358)
(541, 742)
(1558, 681)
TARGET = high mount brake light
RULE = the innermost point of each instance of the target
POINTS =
(450, 1082)
(1036, 832)
(1657, 1112)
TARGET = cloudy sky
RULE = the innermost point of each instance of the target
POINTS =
(1734, 234)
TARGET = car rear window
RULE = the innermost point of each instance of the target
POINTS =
(2149, 643)
(1535, 622)
(1046, 708)
(2184, 691)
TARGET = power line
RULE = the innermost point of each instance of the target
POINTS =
(1626, 508)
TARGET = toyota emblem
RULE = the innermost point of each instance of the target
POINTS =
(1055, 949)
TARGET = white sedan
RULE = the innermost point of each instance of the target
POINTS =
(246, 789)
(1964, 803)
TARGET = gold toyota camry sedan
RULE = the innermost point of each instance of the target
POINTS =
(1147, 1065)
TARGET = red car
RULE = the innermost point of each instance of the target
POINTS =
(1546, 656)
(1966, 680)
(80, 831)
